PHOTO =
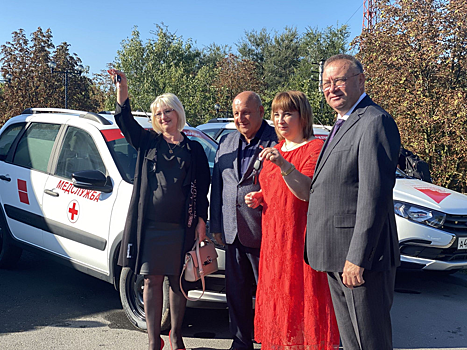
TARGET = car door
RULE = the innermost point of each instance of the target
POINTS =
(78, 219)
(23, 174)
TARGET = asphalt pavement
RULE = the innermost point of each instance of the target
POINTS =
(44, 305)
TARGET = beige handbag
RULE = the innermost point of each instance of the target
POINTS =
(200, 261)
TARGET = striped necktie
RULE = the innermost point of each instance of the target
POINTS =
(338, 124)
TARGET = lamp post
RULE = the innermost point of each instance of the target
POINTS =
(7, 79)
(320, 83)
(78, 71)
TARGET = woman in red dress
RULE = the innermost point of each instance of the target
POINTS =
(293, 304)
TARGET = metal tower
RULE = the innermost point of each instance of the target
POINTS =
(369, 14)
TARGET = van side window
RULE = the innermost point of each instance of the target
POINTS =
(8, 137)
(78, 153)
(35, 146)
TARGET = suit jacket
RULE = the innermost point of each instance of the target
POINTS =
(228, 212)
(351, 210)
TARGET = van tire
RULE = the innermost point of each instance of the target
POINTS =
(131, 296)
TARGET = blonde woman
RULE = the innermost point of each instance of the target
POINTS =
(168, 207)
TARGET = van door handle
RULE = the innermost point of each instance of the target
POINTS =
(5, 178)
(51, 193)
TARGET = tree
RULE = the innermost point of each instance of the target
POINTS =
(316, 46)
(416, 60)
(32, 84)
(254, 47)
(266, 63)
(166, 63)
(276, 56)
(235, 75)
(290, 61)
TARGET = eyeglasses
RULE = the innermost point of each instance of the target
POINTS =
(338, 82)
(166, 112)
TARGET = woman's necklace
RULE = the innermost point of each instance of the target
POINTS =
(293, 146)
(174, 145)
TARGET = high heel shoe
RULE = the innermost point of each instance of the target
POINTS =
(162, 344)
(170, 342)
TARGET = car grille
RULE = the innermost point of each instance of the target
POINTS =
(455, 224)
(410, 248)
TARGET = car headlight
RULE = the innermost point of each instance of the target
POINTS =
(419, 214)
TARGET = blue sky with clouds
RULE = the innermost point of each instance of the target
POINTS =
(96, 28)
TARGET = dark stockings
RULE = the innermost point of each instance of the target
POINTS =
(177, 311)
(153, 299)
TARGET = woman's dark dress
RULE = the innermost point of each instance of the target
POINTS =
(148, 144)
(164, 233)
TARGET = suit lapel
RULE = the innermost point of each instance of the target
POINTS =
(235, 145)
(348, 125)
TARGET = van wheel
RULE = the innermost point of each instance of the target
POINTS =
(9, 253)
(131, 288)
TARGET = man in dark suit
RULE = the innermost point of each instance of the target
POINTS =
(233, 177)
(351, 230)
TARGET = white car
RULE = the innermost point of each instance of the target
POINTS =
(65, 186)
(432, 225)
(218, 127)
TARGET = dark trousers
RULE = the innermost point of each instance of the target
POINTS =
(241, 274)
(363, 313)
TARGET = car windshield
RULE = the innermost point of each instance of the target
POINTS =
(125, 155)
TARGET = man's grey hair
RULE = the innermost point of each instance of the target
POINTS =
(354, 63)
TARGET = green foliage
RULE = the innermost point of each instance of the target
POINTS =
(290, 61)
(416, 60)
(167, 63)
(33, 85)
(267, 63)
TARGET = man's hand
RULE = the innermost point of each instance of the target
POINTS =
(352, 275)
(254, 199)
(218, 238)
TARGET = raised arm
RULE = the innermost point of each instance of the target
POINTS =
(130, 128)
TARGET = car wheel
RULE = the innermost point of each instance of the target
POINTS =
(9, 253)
(131, 288)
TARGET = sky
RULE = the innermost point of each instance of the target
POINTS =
(95, 29)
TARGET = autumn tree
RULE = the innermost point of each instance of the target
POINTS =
(416, 61)
(33, 84)
(234, 75)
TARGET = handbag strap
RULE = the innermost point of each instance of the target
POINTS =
(201, 273)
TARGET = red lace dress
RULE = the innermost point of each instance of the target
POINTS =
(293, 303)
